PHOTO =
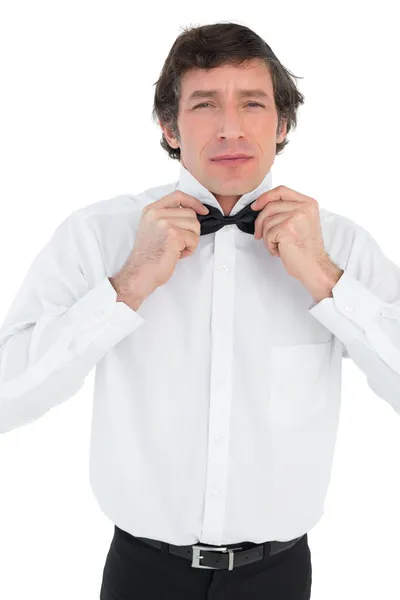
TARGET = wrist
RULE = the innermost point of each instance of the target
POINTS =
(131, 290)
(321, 281)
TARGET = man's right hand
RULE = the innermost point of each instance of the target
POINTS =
(166, 233)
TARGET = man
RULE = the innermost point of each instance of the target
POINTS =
(217, 388)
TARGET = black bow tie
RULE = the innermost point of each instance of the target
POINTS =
(214, 220)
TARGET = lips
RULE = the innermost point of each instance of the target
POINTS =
(236, 158)
(230, 157)
(232, 162)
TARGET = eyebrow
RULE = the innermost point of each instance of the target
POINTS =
(213, 93)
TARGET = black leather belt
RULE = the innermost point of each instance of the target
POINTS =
(213, 557)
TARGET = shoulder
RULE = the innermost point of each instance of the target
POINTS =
(124, 203)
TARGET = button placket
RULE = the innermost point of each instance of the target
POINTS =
(222, 306)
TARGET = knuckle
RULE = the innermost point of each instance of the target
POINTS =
(270, 208)
(149, 211)
(162, 223)
(173, 233)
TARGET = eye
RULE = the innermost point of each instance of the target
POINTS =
(198, 105)
(204, 103)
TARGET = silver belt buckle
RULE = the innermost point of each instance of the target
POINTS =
(197, 556)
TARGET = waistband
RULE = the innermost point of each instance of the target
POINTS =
(229, 556)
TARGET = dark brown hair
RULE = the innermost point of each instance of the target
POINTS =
(215, 45)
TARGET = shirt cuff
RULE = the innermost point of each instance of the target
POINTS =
(355, 312)
(351, 299)
(99, 307)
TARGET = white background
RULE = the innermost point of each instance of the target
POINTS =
(77, 84)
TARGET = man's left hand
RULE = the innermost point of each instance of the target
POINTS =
(289, 225)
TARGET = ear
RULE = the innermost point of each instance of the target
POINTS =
(171, 139)
(282, 131)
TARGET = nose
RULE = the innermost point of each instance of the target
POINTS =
(230, 124)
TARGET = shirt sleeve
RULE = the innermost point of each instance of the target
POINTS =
(364, 314)
(62, 321)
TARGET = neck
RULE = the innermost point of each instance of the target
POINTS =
(227, 203)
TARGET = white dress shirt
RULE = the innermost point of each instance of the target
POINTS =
(216, 403)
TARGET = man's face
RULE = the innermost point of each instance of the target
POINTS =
(227, 123)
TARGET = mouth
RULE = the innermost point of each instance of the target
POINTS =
(232, 162)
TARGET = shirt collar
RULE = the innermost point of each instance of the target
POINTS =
(190, 185)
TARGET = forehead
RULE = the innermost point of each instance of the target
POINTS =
(253, 73)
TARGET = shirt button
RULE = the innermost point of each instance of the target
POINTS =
(220, 382)
(109, 325)
(349, 307)
(222, 325)
(224, 268)
(215, 493)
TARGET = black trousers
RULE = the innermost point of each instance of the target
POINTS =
(135, 571)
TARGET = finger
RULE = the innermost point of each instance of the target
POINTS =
(279, 193)
(270, 237)
(274, 208)
(265, 221)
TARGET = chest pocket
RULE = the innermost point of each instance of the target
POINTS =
(299, 382)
